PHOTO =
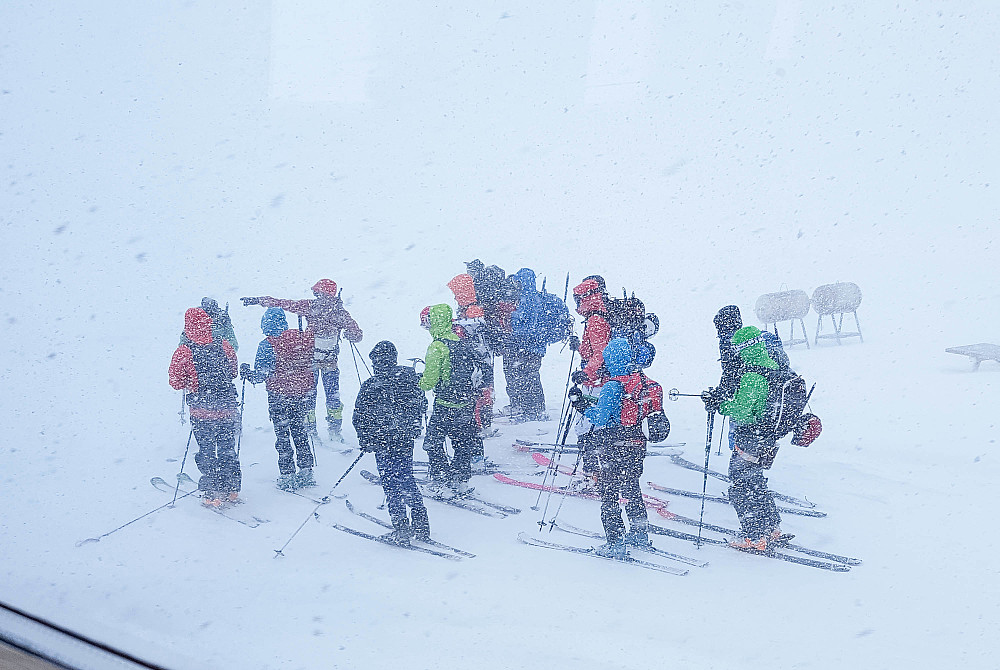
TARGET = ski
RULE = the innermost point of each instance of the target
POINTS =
(530, 443)
(657, 505)
(390, 543)
(572, 449)
(569, 528)
(722, 499)
(459, 502)
(688, 465)
(386, 524)
(628, 560)
(248, 520)
(770, 553)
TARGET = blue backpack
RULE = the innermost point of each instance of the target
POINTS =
(553, 321)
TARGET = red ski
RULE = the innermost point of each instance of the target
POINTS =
(656, 504)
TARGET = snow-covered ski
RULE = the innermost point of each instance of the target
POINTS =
(725, 501)
(571, 449)
(229, 510)
(655, 504)
(770, 553)
(465, 502)
(389, 543)
(530, 443)
(676, 459)
(385, 524)
(569, 528)
(628, 560)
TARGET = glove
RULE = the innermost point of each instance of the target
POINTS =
(580, 377)
(245, 371)
(250, 301)
(583, 426)
(574, 342)
(712, 399)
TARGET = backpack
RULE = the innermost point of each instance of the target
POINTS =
(467, 376)
(643, 399)
(553, 322)
(628, 319)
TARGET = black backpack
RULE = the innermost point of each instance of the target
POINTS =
(628, 319)
(467, 377)
(786, 401)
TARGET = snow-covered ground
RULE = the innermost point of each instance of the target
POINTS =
(697, 153)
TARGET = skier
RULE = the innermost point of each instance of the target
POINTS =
(387, 418)
(590, 304)
(450, 370)
(621, 450)
(222, 325)
(753, 439)
(326, 319)
(469, 330)
(205, 368)
(523, 352)
(497, 296)
(284, 363)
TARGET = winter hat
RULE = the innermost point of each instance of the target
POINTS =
(750, 344)
(326, 287)
(728, 321)
(425, 318)
(273, 323)
(198, 326)
(383, 356)
(589, 296)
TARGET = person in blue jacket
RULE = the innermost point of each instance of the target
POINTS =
(620, 453)
(523, 352)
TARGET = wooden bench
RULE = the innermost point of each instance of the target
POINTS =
(978, 353)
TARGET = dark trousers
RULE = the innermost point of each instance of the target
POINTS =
(753, 502)
(288, 414)
(588, 445)
(395, 469)
(459, 424)
(621, 468)
(216, 458)
(331, 389)
(522, 370)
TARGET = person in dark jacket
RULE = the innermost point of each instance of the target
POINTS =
(284, 363)
(523, 352)
(205, 369)
(387, 418)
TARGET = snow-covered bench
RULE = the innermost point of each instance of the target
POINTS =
(978, 353)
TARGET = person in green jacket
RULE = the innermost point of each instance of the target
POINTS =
(753, 441)
(451, 371)
(222, 325)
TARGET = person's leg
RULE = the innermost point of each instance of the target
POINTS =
(635, 508)
(206, 458)
(230, 476)
(437, 430)
(534, 395)
(610, 488)
(298, 408)
(390, 475)
(281, 419)
(463, 440)
(334, 407)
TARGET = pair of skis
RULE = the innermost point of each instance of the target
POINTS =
(468, 502)
(231, 511)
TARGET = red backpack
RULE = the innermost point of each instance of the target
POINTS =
(643, 399)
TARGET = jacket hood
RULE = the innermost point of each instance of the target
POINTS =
(618, 357)
(273, 323)
(752, 348)
(526, 278)
(325, 287)
(440, 317)
(728, 321)
(384, 356)
(464, 289)
(198, 326)
(589, 296)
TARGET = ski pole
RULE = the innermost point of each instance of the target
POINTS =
(545, 477)
(356, 368)
(722, 432)
(704, 484)
(181, 413)
(322, 501)
(183, 461)
(99, 537)
(673, 394)
(243, 400)
(554, 464)
(362, 358)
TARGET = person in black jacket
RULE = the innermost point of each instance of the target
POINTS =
(387, 418)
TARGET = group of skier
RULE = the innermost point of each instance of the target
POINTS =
(610, 402)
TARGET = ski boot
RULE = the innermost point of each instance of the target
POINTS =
(753, 546)
(304, 478)
(638, 536)
(286, 482)
(616, 550)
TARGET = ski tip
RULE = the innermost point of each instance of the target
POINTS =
(89, 540)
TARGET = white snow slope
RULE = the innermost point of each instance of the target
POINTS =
(698, 153)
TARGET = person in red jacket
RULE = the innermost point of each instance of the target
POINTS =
(591, 304)
(205, 369)
(326, 318)
(284, 363)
